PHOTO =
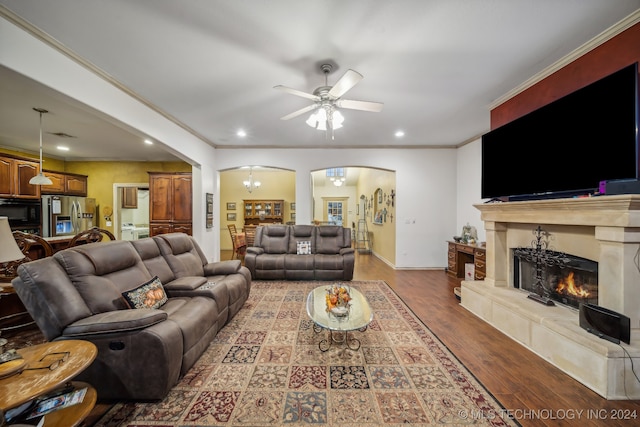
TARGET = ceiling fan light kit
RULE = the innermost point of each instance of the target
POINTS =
(327, 101)
(320, 118)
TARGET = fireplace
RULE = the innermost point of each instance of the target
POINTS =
(572, 282)
(602, 237)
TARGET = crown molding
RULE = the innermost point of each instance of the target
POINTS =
(600, 39)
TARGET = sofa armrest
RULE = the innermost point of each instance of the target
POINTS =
(187, 283)
(115, 321)
(255, 250)
(345, 251)
(222, 267)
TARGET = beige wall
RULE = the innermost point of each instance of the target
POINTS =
(382, 236)
(277, 184)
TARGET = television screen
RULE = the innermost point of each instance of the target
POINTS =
(568, 146)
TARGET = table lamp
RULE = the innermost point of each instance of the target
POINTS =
(9, 250)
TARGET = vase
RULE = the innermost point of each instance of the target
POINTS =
(340, 311)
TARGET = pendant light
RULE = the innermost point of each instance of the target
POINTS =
(40, 179)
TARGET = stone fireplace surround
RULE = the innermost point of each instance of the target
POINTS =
(605, 229)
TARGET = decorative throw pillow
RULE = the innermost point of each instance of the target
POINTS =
(304, 247)
(147, 295)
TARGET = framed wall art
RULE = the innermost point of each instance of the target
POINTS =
(209, 211)
(231, 206)
(231, 216)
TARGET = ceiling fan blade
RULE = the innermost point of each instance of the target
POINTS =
(299, 112)
(346, 82)
(374, 107)
(297, 92)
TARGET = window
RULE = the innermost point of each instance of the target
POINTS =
(335, 173)
(334, 212)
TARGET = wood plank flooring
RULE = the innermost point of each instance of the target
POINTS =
(535, 392)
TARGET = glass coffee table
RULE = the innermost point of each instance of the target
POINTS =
(357, 318)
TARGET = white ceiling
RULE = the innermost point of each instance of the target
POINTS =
(437, 65)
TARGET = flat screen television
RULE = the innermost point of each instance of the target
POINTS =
(567, 147)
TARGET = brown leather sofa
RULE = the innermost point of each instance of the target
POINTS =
(78, 294)
(275, 254)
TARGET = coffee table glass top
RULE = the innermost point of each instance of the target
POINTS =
(359, 316)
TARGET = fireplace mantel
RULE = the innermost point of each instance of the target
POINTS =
(605, 229)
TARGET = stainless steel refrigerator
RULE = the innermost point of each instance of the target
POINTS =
(67, 215)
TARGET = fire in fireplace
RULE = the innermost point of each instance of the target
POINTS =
(572, 283)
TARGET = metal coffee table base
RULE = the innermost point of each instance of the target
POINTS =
(348, 342)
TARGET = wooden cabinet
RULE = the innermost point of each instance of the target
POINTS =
(459, 254)
(75, 185)
(263, 211)
(15, 174)
(65, 183)
(57, 183)
(170, 200)
(129, 198)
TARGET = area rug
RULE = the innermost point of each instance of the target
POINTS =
(265, 368)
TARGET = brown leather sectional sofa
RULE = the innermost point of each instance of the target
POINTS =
(78, 294)
(279, 252)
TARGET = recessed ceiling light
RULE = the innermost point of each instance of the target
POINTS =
(399, 134)
(148, 142)
(241, 133)
(62, 148)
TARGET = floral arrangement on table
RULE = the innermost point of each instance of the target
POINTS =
(337, 299)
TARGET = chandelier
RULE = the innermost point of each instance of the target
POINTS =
(40, 179)
(337, 176)
(250, 184)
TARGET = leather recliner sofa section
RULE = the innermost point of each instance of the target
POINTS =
(142, 353)
(301, 252)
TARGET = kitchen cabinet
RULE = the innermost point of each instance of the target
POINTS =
(170, 203)
(129, 198)
(65, 183)
(263, 211)
(15, 174)
(57, 183)
(75, 185)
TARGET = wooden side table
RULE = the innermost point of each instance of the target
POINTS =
(22, 387)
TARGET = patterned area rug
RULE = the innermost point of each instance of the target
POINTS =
(265, 368)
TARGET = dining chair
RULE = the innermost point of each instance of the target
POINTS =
(238, 241)
(250, 234)
(91, 235)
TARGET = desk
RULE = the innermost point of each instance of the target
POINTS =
(460, 254)
(27, 385)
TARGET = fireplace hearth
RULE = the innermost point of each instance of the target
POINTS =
(603, 230)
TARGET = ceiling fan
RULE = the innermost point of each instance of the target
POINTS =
(328, 99)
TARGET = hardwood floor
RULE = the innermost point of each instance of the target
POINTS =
(535, 392)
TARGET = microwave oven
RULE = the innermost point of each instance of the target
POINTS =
(24, 215)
